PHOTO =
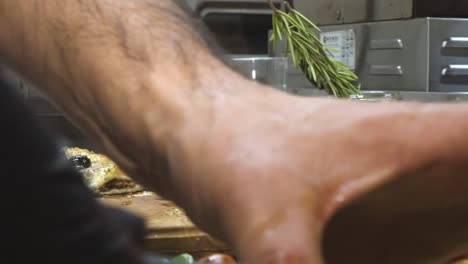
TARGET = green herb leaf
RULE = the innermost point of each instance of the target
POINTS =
(309, 53)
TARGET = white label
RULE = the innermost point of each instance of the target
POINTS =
(343, 43)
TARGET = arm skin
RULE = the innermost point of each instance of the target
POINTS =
(107, 62)
(261, 169)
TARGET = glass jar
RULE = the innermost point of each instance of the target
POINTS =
(267, 70)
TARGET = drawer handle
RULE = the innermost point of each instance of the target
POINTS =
(396, 70)
(455, 70)
(377, 44)
(455, 43)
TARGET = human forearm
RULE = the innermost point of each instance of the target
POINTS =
(126, 71)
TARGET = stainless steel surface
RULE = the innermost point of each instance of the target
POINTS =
(376, 10)
(322, 12)
(421, 55)
(433, 97)
(207, 7)
(332, 12)
(448, 50)
(391, 55)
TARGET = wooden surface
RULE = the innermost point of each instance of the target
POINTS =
(170, 231)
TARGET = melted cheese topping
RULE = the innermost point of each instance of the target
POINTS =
(102, 171)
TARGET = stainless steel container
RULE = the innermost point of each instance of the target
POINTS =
(419, 55)
(332, 12)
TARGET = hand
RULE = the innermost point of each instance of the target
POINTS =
(276, 176)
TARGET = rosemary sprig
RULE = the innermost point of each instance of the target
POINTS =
(309, 54)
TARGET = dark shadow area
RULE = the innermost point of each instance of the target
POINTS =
(240, 34)
(439, 8)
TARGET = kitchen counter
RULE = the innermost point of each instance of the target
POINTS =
(170, 231)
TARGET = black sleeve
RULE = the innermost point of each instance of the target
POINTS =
(48, 214)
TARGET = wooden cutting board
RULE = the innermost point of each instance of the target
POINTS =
(170, 232)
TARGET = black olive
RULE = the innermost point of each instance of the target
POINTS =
(81, 162)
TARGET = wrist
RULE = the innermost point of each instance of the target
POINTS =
(183, 102)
